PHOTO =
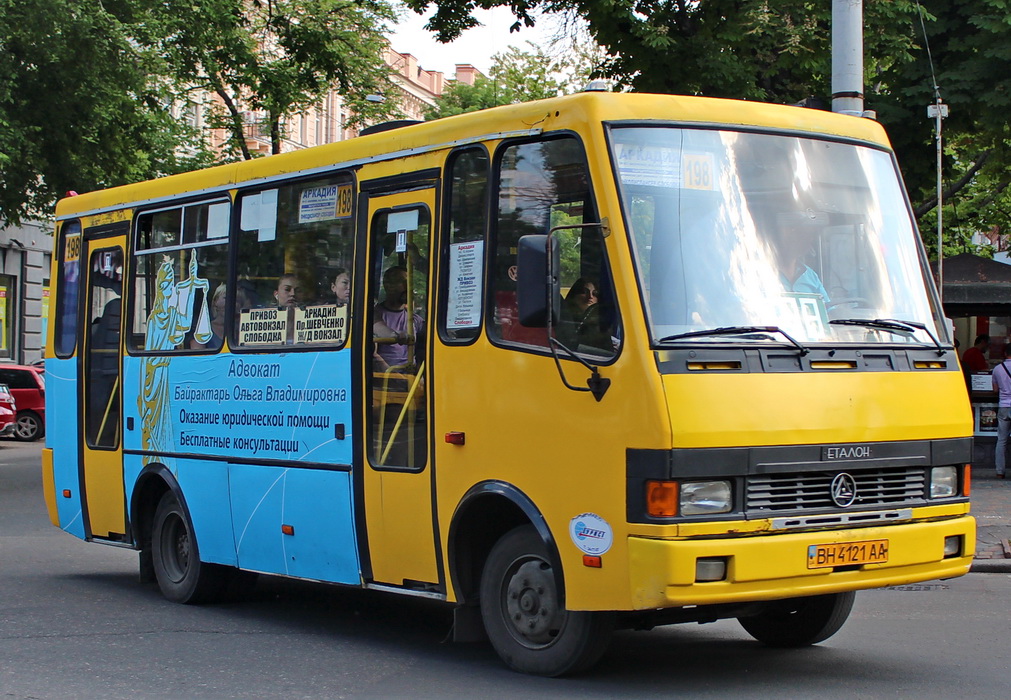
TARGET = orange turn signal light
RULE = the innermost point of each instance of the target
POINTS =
(662, 499)
(967, 480)
(592, 561)
(288, 529)
(66, 493)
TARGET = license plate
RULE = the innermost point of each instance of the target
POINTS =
(847, 554)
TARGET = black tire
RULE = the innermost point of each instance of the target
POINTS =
(29, 426)
(799, 622)
(181, 576)
(524, 619)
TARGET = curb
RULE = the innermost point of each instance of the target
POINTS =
(990, 566)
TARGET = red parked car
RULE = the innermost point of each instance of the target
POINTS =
(28, 386)
(7, 412)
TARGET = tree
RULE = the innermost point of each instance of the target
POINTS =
(971, 64)
(516, 76)
(77, 111)
(275, 58)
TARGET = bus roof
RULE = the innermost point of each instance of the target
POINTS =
(568, 112)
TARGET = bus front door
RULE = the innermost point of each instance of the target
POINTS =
(101, 380)
(395, 373)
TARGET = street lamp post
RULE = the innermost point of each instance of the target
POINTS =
(938, 111)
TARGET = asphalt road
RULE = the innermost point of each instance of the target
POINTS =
(75, 623)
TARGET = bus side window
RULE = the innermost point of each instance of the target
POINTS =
(68, 289)
(463, 249)
(295, 257)
(181, 256)
(543, 185)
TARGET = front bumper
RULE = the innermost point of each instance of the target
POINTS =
(773, 566)
(8, 430)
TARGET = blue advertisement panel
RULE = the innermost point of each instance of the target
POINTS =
(288, 406)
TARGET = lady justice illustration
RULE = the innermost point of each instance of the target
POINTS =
(168, 324)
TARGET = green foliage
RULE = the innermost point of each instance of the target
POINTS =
(516, 76)
(86, 87)
(77, 111)
(274, 57)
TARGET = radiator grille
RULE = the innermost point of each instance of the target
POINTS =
(776, 493)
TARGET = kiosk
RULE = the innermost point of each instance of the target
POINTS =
(976, 295)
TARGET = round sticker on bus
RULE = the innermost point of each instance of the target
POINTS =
(590, 533)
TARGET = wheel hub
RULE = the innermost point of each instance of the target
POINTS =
(532, 604)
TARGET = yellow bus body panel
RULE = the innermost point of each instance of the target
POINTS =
(103, 484)
(775, 566)
(49, 486)
(798, 408)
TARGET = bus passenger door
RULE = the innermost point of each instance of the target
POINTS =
(395, 376)
(101, 383)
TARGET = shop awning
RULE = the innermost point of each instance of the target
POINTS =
(975, 286)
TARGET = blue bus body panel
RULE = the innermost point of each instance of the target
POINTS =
(315, 503)
(218, 422)
(62, 436)
(204, 484)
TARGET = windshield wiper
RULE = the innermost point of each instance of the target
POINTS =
(738, 330)
(893, 325)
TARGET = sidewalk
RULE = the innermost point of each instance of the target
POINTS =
(991, 506)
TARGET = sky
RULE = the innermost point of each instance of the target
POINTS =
(475, 46)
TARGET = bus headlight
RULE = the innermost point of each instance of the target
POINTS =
(943, 482)
(700, 497)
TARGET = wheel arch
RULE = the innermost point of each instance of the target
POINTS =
(486, 512)
(152, 483)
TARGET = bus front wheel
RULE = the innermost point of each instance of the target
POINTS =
(181, 576)
(798, 622)
(523, 615)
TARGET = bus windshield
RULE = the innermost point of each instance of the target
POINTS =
(809, 237)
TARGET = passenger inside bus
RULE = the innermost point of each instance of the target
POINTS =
(341, 286)
(391, 322)
(218, 309)
(288, 292)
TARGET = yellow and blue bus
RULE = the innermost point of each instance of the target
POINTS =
(600, 361)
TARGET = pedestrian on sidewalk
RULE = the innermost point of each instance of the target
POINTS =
(1002, 385)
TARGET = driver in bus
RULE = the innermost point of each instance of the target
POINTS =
(793, 235)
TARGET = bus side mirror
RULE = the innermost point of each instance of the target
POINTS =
(538, 292)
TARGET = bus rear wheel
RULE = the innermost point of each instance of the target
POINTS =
(181, 576)
(523, 615)
(798, 622)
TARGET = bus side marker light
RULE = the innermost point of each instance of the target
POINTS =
(66, 493)
(456, 438)
(710, 569)
(662, 498)
(592, 561)
(288, 529)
